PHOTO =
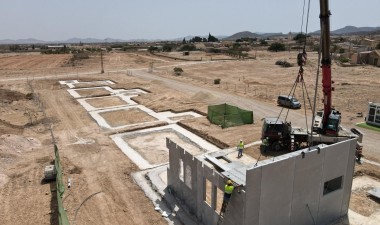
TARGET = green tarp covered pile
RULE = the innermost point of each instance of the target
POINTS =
(226, 115)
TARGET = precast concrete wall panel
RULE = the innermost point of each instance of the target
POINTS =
(349, 176)
(289, 190)
(186, 194)
(307, 187)
(253, 194)
(235, 210)
(276, 192)
(335, 165)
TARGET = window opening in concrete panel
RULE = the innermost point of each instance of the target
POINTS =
(219, 200)
(332, 185)
(188, 176)
(208, 192)
(223, 160)
(181, 170)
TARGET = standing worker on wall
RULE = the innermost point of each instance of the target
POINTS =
(228, 189)
(240, 148)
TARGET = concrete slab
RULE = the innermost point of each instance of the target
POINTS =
(141, 161)
(375, 192)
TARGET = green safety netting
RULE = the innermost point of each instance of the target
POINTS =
(62, 217)
(228, 116)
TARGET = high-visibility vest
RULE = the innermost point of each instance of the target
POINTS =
(228, 189)
(241, 145)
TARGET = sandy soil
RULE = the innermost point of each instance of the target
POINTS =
(105, 102)
(122, 117)
(144, 144)
(93, 92)
(93, 161)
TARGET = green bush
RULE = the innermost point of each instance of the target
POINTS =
(343, 59)
(276, 47)
(283, 63)
(178, 71)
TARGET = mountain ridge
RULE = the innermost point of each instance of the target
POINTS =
(243, 34)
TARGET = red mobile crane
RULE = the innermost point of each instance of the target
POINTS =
(326, 124)
(326, 121)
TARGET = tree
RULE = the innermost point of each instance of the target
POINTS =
(212, 38)
(263, 42)
(188, 47)
(152, 49)
(378, 46)
(167, 48)
(236, 46)
(184, 41)
(300, 38)
(276, 47)
(204, 39)
(196, 39)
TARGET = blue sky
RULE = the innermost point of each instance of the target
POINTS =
(166, 19)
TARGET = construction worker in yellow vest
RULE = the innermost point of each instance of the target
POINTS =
(228, 189)
(240, 148)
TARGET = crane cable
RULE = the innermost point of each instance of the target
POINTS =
(301, 60)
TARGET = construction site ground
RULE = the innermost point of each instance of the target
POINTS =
(94, 163)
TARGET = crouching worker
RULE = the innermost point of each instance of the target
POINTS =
(228, 189)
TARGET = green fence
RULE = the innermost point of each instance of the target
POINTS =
(62, 217)
(228, 116)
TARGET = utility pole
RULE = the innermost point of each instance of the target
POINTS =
(101, 62)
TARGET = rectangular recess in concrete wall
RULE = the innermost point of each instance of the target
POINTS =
(207, 191)
(307, 187)
(276, 192)
(335, 165)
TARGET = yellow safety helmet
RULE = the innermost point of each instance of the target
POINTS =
(229, 182)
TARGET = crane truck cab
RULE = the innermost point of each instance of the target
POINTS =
(276, 131)
(332, 126)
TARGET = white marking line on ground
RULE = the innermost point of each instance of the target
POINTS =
(75, 94)
(71, 83)
(127, 99)
(103, 123)
(144, 164)
(169, 114)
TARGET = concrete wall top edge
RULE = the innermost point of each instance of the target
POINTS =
(321, 147)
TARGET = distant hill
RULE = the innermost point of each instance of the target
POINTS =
(351, 30)
(248, 34)
(244, 34)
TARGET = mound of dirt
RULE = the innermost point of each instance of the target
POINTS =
(17, 143)
(8, 96)
(203, 97)
(3, 179)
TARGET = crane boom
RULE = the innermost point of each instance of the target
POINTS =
(331, 118)
(326, 59)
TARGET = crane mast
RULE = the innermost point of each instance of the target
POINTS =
(331, 118)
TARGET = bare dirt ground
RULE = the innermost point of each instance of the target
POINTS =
(105, 102)
(122, 117)
(93, 92)
(93, 161)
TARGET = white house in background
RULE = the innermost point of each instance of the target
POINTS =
(373, 116)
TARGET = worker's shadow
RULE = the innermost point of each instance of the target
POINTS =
(267, 151)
